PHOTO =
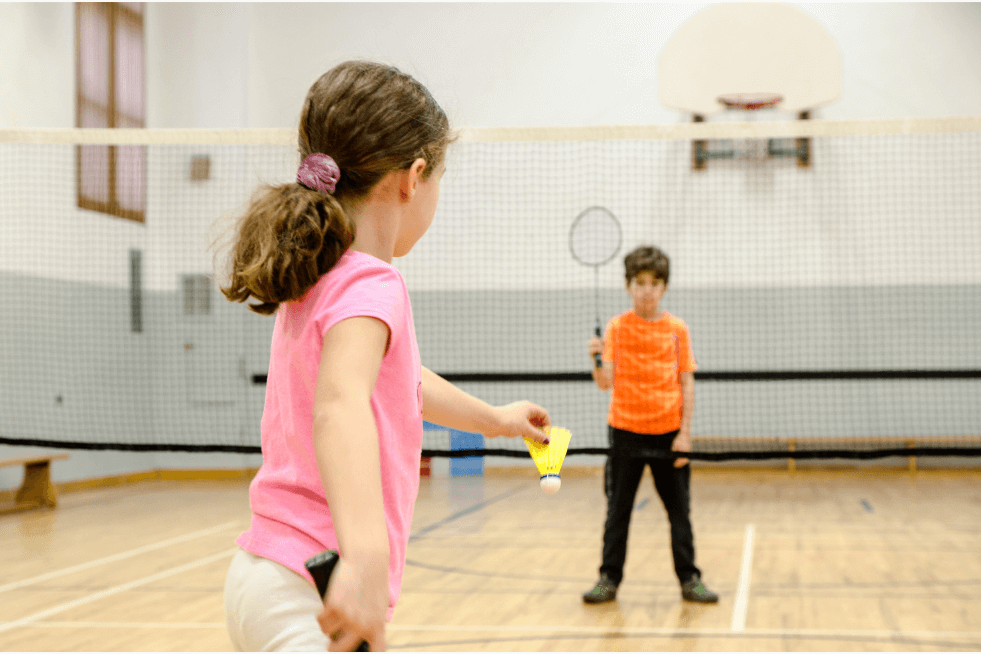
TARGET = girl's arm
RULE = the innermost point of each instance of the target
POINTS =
(445, 404)
(345, 441)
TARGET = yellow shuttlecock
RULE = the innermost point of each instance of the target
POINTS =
(549, 458)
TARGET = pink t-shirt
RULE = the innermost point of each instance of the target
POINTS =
(290, 517)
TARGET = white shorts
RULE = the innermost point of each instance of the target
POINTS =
(270, 608)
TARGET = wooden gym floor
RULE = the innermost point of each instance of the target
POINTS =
(813, 560)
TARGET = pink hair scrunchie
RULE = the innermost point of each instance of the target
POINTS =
(319, 172)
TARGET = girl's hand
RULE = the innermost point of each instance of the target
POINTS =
(595, 346)
(356, 605)
(521, 419)
(682, 443)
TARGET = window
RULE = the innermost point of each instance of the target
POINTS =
(111, 93)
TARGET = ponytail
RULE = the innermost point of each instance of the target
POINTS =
(360, 121)
(288, 238)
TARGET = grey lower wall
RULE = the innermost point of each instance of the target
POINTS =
(802, 329)
(72, 370)
(758, 329)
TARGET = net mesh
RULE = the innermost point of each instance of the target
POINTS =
(833, 308)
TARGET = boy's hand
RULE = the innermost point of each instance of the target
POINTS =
(521, 419)
(595, 346)
(682, 443)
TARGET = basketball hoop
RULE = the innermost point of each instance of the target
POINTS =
(750, 101)
(754, 150)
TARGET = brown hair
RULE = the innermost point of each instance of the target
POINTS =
(647, 259)
(371, 119)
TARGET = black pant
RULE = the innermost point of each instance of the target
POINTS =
(629, 453)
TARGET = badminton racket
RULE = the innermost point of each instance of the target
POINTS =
(594, 239)
(321, 567)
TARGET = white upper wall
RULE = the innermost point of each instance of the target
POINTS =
(521, 64)
(489, 64)
(905, 60)
(197, 64)
(37, 65)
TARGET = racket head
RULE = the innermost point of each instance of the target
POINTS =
(595, 236)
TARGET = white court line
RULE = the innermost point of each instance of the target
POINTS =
(114, 557)
(681, 632)
(126, 625)
(741, 606)
(691, 631)
(115, 590)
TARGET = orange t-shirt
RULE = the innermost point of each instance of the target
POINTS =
(648, 357)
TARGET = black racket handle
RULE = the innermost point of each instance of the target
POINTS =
(321, 567)
(596, 357)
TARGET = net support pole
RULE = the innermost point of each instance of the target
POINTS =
(698, 148)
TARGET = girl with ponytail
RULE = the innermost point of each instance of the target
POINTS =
(346, 393)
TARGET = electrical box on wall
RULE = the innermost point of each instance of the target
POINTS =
(200, 168)
(197, 295)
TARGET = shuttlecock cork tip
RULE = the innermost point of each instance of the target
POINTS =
(551, 484)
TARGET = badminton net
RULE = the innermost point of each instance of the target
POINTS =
(833, 308)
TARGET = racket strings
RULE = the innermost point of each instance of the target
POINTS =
(595, 237)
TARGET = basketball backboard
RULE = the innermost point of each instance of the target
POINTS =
(747, 48)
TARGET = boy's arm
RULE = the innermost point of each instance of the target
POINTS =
(602, 377)
(445, 404)
(682, 442)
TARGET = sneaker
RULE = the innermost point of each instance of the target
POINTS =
(604, 591)
(694, 590)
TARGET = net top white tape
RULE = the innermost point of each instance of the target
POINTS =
(684, 131)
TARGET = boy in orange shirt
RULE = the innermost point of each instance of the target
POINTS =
(648, 362)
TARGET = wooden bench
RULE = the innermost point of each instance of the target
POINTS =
(37, 489)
